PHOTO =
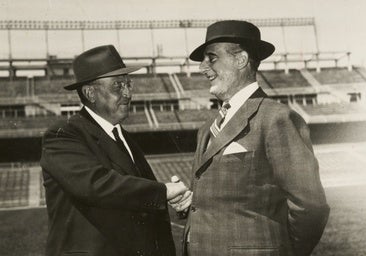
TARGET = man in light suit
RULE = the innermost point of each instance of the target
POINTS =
(102, 196)
(256, 186)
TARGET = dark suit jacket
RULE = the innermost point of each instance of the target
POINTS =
(263, 199)
(99, 202)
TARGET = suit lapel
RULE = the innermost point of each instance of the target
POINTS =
(116, 154)
(204, 137)
(140, 160)
(236, 124)
(107, 144)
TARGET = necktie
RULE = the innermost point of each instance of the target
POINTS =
(120, 142)
(215, 127)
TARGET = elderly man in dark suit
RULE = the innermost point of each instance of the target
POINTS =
(256, 186)
(102, 196)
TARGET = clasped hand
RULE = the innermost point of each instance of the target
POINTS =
(178, 196)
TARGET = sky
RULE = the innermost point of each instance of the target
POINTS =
(339, 23)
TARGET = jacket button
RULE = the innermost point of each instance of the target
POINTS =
(193, 208)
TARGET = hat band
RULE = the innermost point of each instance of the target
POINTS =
(101, 73)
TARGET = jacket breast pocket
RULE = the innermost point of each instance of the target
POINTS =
(245, 251)
(243, 160)
(232, 171)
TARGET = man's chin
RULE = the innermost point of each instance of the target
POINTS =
(214, 90)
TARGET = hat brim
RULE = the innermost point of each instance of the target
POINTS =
(262, 48)
(118, 72)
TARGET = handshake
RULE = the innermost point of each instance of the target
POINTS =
(178, 196)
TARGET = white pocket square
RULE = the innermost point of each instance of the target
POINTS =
(234, 148)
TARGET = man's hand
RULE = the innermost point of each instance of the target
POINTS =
(181, 203)
(175, 189)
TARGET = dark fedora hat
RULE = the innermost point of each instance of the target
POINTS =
(235, 31)
(98, 62)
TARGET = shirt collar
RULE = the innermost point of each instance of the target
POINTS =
(238, 100)
(106, 126)
(243, 95)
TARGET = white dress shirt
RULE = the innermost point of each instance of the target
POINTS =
(108, 127)
(238, 100)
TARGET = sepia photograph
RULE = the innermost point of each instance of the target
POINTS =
(182, 128)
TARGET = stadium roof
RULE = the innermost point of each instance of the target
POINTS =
(140, 24)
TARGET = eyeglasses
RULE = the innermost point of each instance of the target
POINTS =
(122, 85)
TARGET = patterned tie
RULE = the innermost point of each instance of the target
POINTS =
(215, 127)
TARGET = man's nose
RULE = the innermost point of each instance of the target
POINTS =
(127, 92)
(203, 67)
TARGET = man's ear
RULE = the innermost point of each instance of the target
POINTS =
(243, 59)
(89, 92)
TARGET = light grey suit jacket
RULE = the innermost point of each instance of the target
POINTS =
(256, 189)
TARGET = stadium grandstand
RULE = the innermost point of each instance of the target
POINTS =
(171, 100)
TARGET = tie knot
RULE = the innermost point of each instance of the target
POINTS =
(215, 127)
(223, 110)
(226, 105)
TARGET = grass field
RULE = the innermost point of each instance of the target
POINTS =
(24, 232)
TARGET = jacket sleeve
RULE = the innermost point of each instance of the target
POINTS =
(289, 150)
(69, 161)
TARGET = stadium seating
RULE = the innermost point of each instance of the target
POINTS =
(334, 109)
(195, 115)
(162, 92)
(196, 82)
(29, 122)
(137, 118)
(165, 167)
(166, 117)
(52, 85)
(15, 88)
(267, 79)
(337, 76)
(185, 116)
(279, 79)
(14, 187)
(149, 83)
